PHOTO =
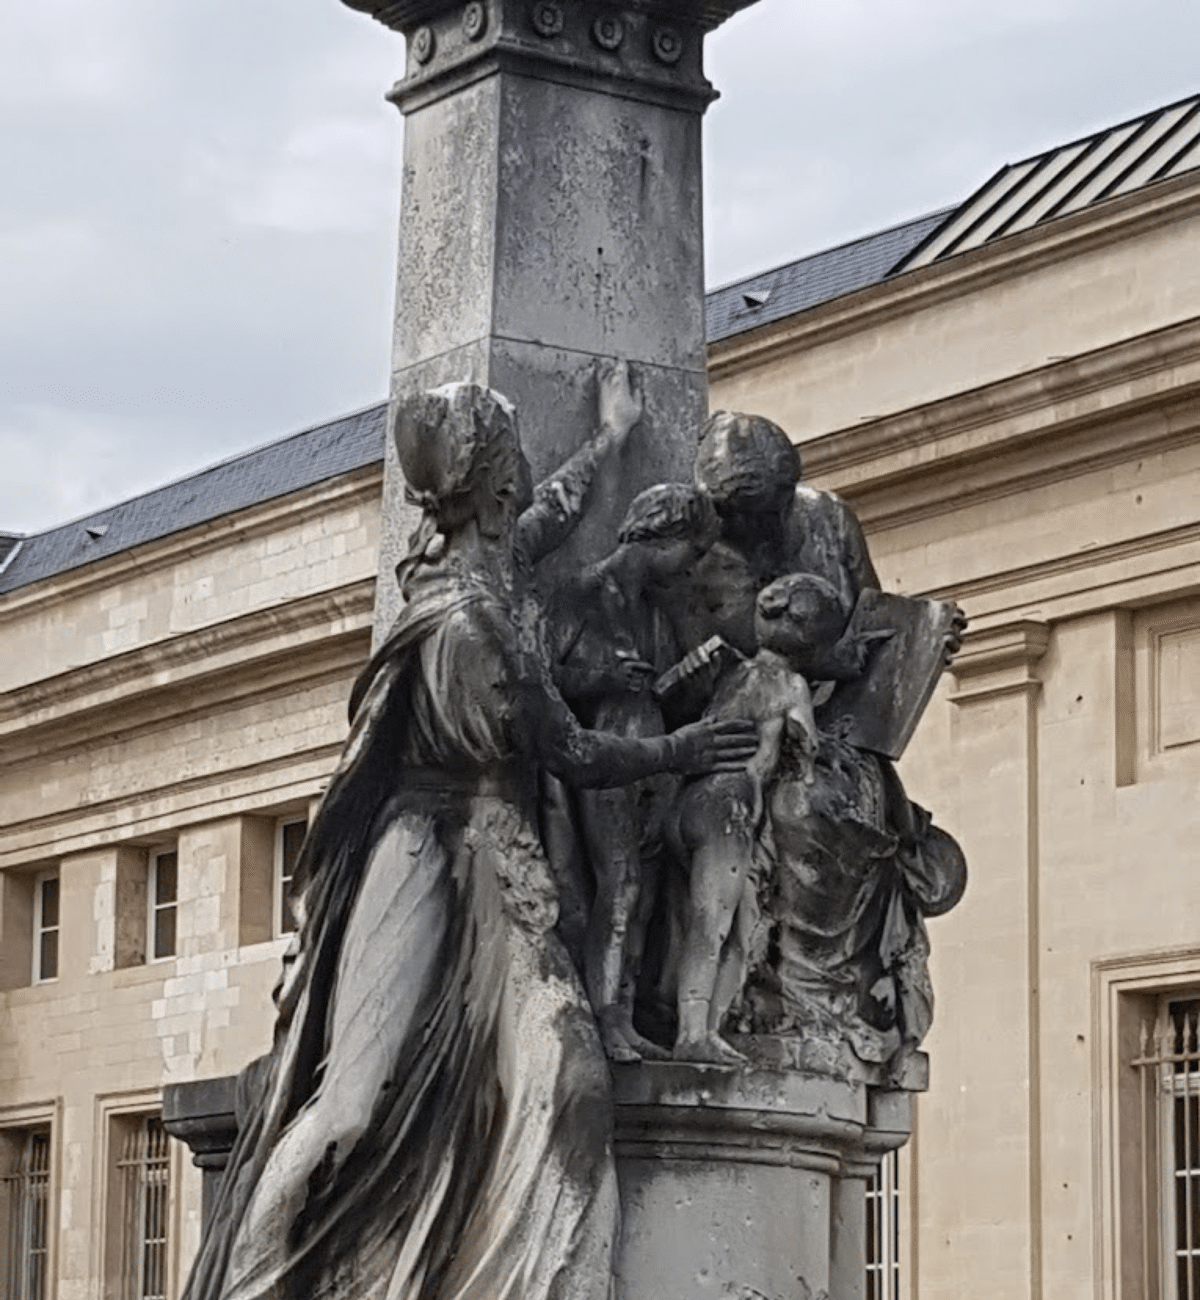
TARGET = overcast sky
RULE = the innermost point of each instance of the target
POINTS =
(199, 197)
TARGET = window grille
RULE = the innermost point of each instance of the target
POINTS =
(143, 1168)
(25, 1187)
(163, 896)
(1168, 1061)
(883, 1230)
(289, 839)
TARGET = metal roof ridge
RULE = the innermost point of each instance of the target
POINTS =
(1149, 113)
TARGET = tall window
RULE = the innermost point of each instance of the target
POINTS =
(45, 927)
(143, 1176)
(289, 837)
(25, 1213)
(162, 895)
(1168, 1063)
(883, 1230)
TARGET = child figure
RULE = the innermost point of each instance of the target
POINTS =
(718, 819)
(610, 643)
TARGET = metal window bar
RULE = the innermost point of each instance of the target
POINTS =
(26, 1191)
(144, 1168)
(883, 1230)
(1169, 1063)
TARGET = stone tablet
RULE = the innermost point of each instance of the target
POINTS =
(880, 710)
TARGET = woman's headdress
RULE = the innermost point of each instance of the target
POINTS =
(447, 439)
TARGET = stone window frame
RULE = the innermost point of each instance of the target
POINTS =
(40, 880)
(1153, 627)
(156, 906)
(116, 1117)
(39, 1116)
(1128, 992)
(280, 875)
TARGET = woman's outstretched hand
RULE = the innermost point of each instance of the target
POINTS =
(713, 747)
(621, 402)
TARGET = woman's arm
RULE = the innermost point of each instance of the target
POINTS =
(553, 737)
(559, 501)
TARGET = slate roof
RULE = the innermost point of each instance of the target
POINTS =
(772, 295)
(294, 462)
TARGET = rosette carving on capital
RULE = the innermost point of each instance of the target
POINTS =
(667, 44)
(547, 18)
(474, 21)
(608, 31)
(424, 45)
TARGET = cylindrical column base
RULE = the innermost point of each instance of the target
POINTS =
(746, 1183)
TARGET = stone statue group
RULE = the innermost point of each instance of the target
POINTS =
(629, 815)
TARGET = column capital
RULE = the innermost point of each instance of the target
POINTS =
(408, 15)
(649, 50)
(1000, 660)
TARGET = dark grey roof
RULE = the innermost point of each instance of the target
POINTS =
(1116, 161)
(281, 467)
(762, 299)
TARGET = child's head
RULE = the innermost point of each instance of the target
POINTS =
(675, 523)
(799, 614)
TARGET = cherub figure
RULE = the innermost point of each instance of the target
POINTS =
(718, 819)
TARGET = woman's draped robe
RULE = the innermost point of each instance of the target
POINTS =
(432, 1009)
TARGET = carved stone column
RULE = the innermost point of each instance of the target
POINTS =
(747, 1183)
(551, 214)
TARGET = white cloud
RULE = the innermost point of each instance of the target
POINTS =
(55, 52)
(330, 175)
(197, 227)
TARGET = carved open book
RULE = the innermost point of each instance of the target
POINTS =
(699, 669)
(880, 710)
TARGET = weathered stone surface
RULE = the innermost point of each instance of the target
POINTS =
(746, 1183)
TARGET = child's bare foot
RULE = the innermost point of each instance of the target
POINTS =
(712, 1049)
(617, 1047)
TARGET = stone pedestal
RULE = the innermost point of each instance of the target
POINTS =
(551, 215)
(747, 1184)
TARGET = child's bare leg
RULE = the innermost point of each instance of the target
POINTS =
(718, 831)
(731, 974)
(613, 847)
(650, 863)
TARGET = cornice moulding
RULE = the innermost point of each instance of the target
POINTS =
(359, 485)
(172, 673)
(1022, 405)
(148, 814)
(1066, 419)
(405, 15)
(999, 661)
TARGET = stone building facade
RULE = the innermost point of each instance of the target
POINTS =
(1007, 392)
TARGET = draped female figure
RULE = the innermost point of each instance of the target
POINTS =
(434, 1120)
